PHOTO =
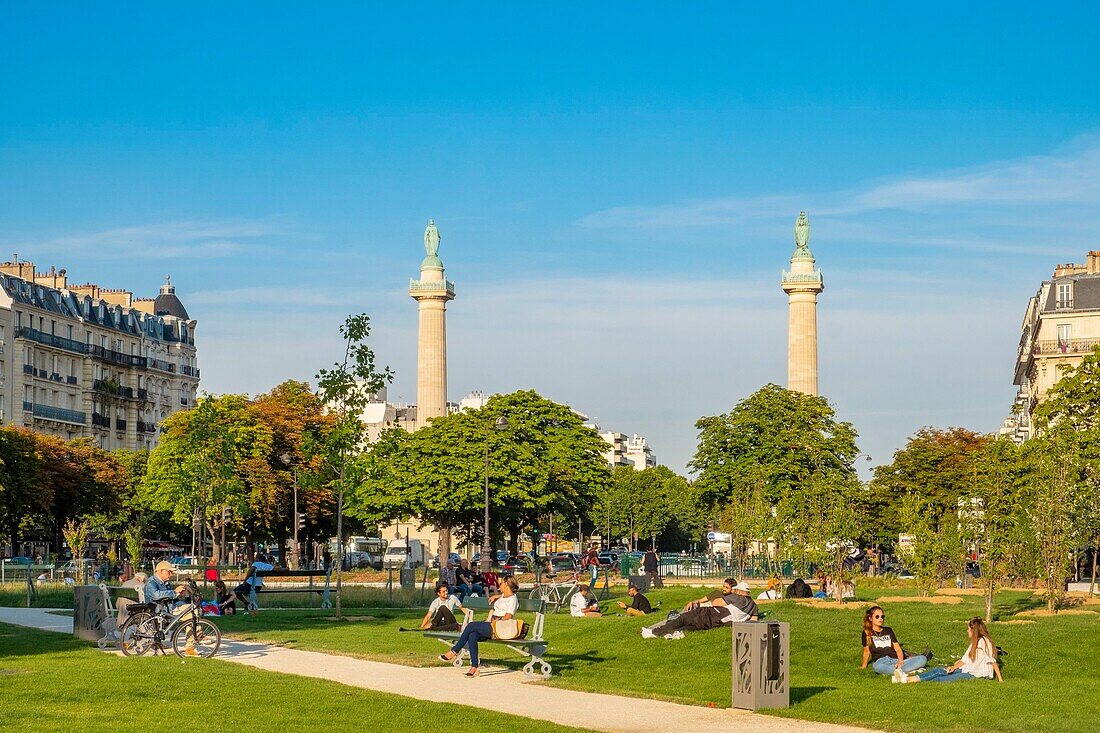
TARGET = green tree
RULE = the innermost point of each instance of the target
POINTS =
(207, 463)
(345, 390)
(639, 505)
(775, 436)
(545, 462)
(935, 465)
(822, 523)
(23, 494)
(936, 551)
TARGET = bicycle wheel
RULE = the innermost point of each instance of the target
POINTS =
(137, 635)
(197, 638)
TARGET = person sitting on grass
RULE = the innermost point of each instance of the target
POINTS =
(773, 592)
(639, 604)
(504, 607)
(733, 607)
(883, 650)
(979, 660)
(441, 612)
(709, 598)
(583, 605)
(227, 604)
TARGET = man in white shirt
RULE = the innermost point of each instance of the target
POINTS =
(582, 605)
(441, 615)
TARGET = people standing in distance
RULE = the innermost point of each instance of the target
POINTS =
(651, 564)
(882, 649)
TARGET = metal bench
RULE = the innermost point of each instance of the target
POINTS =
(533, 646)
(324, 591)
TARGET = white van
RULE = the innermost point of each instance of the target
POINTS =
(404, 554)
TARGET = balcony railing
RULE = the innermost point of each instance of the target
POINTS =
(28, 406)
(146, 427)
(70, 379)
(29, 369)
(59, 413)
(120, 424)
(116, 357)
(48, 339)
(1065, 346)
(101, 421)
(189, 371)
(1064, 305)
(113, 388)
(162, 365)
(142, 394)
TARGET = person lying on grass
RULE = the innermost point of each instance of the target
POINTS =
(583, 605)
(709, 598)
(639, 604)
(883, 650)
(441, 612)
(979, 660)
(734, 607)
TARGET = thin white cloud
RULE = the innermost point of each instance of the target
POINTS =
(166, 240)
(1071, 176)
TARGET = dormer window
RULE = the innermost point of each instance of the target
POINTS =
(1065, 295)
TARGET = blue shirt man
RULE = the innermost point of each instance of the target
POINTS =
(157, 588)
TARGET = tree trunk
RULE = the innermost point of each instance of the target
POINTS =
(1092, 582)
(990, 589)
(444, 546)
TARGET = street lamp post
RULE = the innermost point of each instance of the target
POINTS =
(486, 549)
(286, 459)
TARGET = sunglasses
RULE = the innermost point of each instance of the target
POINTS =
(878, 615)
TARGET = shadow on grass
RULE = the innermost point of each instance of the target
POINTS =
(802, 694)
(1004, 610)
(560, 662)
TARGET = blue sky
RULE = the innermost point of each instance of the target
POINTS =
(616, 189)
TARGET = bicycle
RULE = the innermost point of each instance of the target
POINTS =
(555, 594)
(150, 624)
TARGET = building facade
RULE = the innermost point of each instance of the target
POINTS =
(624, 450)
(83, 361)
(1061, 327)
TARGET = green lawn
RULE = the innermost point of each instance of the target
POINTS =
(53, 683)
(1050, 684)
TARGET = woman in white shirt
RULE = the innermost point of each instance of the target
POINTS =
(505, 605)
(979, 660)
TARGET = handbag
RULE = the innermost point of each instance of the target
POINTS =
(507, 629)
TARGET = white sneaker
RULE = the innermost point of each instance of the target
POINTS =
(899, 676)
(647, 633)
(675, 635)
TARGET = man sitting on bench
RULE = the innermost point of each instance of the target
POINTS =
(733, 607)
(441, 612)
(251, 580)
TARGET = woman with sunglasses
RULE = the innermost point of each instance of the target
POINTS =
(979, 660)
(883, 650)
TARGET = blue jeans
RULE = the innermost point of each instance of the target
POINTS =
(595, 569)
(464, 590)
(474, 632)
(886, 665)
(940, 674)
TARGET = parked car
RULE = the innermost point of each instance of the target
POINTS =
(520, 564)
(18, 560)
(502, 557)
(71, 568)
(186, 564)
(608, 559)
(563, 564)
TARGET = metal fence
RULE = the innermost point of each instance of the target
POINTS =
(707, 566)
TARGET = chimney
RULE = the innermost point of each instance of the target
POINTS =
(1092, 266)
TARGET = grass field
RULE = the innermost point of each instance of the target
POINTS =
(1050, 683)
(50, 683)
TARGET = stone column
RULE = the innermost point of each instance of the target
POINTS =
(802, 285)
(431, 292)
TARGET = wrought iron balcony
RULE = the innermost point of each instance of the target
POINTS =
(162, 365)
(120, 424)
(101, 421)
(70, 379)
(59, 413)
(48, 339)
(1065, 346)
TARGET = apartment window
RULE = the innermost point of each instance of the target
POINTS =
(18, 319)
(70, 337)
(1065, 334)
(1065, 295)
(28, 393)
(53, 328)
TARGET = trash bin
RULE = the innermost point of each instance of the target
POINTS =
(641, 582)
(408, 578)
(761, 665)
(89, 612)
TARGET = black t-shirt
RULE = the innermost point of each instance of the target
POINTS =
(641, 603)
(651, 562)
(881, 643)
(465, 576)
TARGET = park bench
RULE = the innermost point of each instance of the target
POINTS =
(533, 646)
(324, 591)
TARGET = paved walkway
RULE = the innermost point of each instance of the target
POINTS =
(499, 689)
